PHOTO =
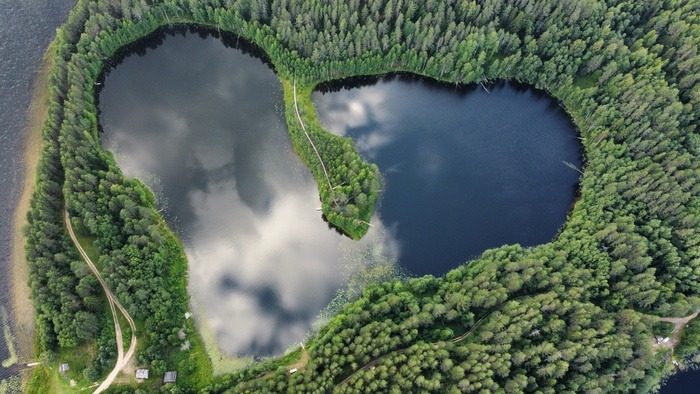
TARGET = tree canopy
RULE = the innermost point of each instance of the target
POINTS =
(575, 314)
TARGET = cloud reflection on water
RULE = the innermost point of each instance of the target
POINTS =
(360, 110)
(478, 169)
(262, 262)
(274, 273)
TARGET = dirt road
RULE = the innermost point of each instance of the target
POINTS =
(680, 321)
(675, 337)
(114, 305)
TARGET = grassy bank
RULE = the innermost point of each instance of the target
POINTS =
(221, 362)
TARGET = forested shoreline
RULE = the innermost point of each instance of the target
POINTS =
(572, 315)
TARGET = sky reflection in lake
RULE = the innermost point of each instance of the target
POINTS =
(464, 170)
(200, 123)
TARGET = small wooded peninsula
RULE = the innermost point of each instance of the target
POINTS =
(578, 314)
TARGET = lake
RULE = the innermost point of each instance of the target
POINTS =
(202, 125)
(200, 121)
(682, 383)
(26, 30)
(465, 169)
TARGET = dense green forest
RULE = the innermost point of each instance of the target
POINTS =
(576, 314)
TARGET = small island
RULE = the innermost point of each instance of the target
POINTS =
(610, 304)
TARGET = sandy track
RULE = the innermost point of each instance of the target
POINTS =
(675, 337)
(680, 321)
(303, 127)
(114, 305)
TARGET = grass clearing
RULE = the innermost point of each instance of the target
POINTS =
(46, 378)
(78, 359)
(292, 357)
(193, 367)
(42, 380)
(588, 81)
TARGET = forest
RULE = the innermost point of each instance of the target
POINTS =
(576, 314)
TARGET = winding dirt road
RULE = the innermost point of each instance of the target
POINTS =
(114, 305)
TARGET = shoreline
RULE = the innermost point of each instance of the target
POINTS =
(22, 306)
(221, 362)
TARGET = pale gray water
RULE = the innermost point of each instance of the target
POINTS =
(26, 29)
(202, 125)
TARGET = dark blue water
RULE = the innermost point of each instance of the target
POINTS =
(465, 170)
(26, 29)
(682, 383)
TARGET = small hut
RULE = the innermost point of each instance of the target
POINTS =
(141, 373)
(63, 368)
(170, 377)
